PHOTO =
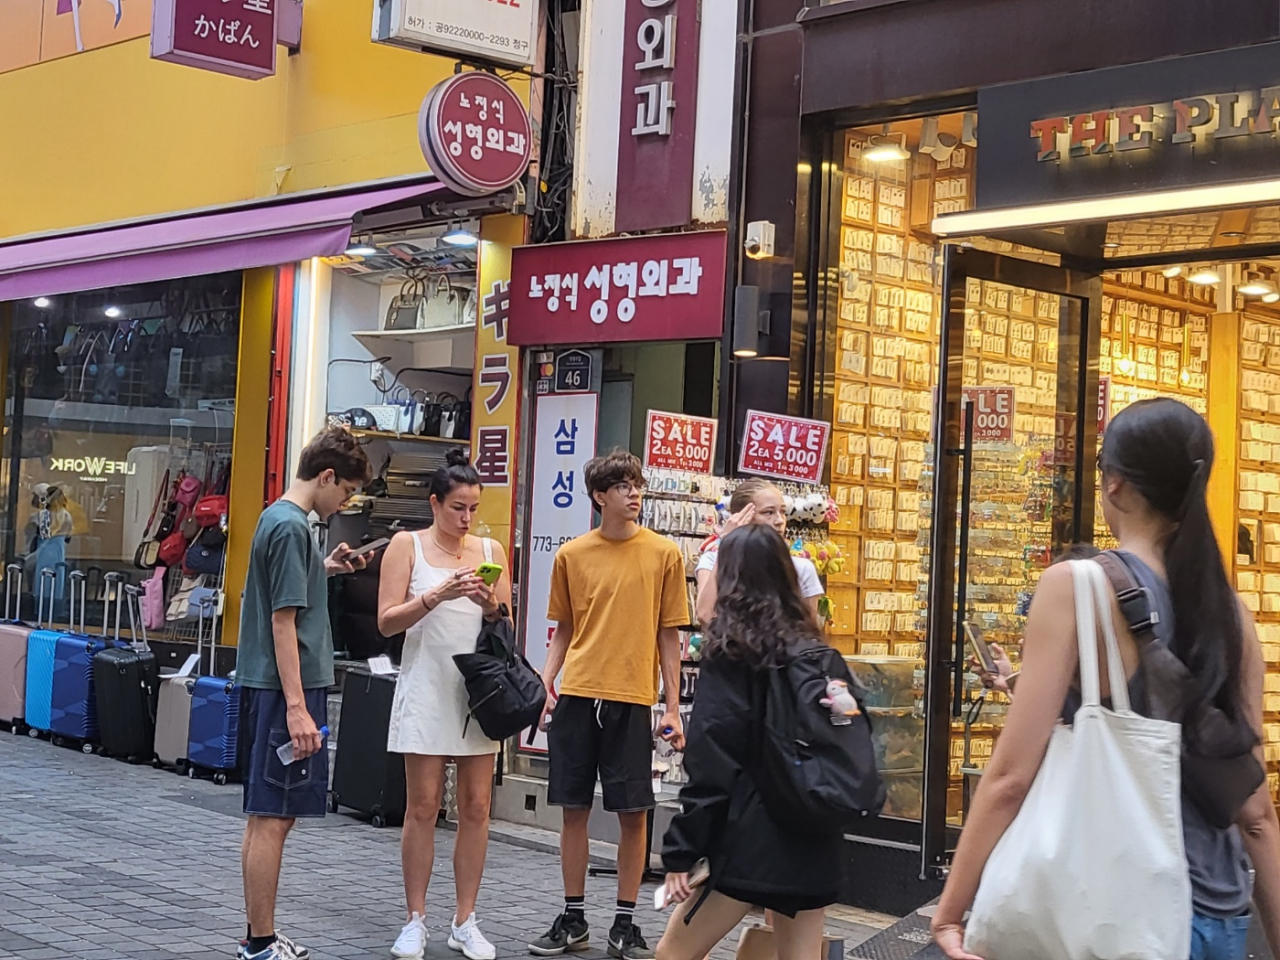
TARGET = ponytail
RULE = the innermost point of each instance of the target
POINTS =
(1164, 449)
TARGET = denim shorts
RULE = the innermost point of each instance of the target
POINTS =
(1219, 938)
(272, 789)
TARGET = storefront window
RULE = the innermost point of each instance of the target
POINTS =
(112, 396)
(891, 181)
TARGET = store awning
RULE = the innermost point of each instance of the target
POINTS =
(1222, 219)
(278, 231)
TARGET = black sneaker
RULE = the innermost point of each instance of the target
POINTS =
(567, 934)
(626, 943)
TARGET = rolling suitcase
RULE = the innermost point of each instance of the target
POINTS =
(125, 681)
(173, 721)
(366, 777)
(42, 645)
(214, 730)
(73, 714)
(13, 653)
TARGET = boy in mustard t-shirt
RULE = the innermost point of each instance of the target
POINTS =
(617, 598)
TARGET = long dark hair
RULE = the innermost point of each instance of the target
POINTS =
(1165, 450)
(758, 605)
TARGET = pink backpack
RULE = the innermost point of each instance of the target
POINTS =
(152, 600)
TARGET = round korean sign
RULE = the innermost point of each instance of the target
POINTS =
(475, 133)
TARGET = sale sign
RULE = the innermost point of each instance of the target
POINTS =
(786, 448)
(992, 413)
(673, 441)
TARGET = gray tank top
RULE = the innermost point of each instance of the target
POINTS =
(1221, 875)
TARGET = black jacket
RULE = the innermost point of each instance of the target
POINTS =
(721, 814)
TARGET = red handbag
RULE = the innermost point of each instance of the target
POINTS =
(211, 509)
(173, 549)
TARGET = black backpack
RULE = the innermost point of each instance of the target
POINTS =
(815, 775)
(504, 694)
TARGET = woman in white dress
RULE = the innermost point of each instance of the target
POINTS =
(429, 589)
(754, 501)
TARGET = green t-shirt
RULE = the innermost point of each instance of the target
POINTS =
(285, 570)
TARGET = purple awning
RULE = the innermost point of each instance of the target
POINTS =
(282, 231)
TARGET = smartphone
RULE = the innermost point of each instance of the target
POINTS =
(699, 875)
(973, 633)
(489, 573)
(368, 548)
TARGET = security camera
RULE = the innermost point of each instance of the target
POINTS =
(758, 243)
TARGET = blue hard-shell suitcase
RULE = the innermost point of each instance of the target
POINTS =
(212, 743)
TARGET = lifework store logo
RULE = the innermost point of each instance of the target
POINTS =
(1196, 120)
(92, 469)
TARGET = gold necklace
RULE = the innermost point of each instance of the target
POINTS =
(436, 541)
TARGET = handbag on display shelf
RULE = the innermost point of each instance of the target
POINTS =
(455, 418)
(151, 600)
(188, 490)
(180, 606)
(147, 554)
(432, 411)
(1104, 814)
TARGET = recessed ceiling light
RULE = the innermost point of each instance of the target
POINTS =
(1171, 272)
(113, 312)
(1204, 276)
(460, 237)
(885, 150)
(1255, 286)
(1111, 245)
(362, 250)
(1126, 366)
(1271, 297)
(746, 353)
(44, 303)
(1233, 234)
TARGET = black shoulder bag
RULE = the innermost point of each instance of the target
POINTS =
(504, 694)
(1219, 769)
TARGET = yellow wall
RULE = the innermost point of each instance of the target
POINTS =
(110, 134)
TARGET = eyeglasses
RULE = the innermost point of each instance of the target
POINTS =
(627, 488)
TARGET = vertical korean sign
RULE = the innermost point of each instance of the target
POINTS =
(236, 37)
(564, 439)
(495, 407)
(659, 114)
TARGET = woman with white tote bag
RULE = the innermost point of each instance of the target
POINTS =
(1070, 848)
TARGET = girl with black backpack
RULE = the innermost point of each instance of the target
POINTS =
(1154, 469)
(752, 858)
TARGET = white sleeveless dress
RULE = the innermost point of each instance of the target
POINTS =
(429, 711)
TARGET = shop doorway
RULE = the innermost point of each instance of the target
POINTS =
(1010, 491)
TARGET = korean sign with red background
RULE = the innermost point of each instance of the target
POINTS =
(673, 441)
(236, 37)
(475, 133)
(787, 448)
(659, 114)
(668, 287)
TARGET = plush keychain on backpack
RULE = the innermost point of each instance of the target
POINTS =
(840, 702)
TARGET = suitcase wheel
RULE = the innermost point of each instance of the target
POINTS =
(379, 820)
(333, 803)
(157, 763)
(87, 749)
(220, 778)
(33, 733)
(191, 772)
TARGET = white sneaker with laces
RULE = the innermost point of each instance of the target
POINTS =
(412, 940)
(470, 942)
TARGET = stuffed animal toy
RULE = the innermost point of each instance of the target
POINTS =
(840, 702)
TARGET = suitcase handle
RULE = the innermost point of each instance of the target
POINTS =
(136, 625)
(47, 574)
(9, 589)
(117, 578)
(208, 607)
(77, 577)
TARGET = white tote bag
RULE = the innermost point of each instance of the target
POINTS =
(1093, 866)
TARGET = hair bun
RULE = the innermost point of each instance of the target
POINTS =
(457, 457)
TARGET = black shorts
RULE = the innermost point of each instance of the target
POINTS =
(590, 737)
(272, 789)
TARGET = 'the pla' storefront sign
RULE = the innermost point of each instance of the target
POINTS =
(236, 37)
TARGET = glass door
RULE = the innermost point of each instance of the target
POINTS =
(1011, 490)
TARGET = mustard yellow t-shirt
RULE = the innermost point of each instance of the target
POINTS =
(617, 594)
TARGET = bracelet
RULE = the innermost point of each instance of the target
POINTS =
(425, 604)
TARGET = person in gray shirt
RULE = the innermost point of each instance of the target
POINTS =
(284, 666)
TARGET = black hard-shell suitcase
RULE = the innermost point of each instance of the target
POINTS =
(126, 683)
(366, 777)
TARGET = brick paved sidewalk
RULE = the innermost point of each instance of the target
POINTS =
(103, 861)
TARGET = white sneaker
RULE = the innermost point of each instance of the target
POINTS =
(412, 940)
(470, 942)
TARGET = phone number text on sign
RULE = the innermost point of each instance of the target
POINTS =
(787, 448)
(677, 442)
